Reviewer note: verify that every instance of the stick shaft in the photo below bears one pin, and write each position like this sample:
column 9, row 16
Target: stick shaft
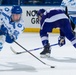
column 31, row 54
column 21, row 52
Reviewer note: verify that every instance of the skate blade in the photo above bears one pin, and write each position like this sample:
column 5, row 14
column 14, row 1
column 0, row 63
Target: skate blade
column 45, row 56
column 48, row 55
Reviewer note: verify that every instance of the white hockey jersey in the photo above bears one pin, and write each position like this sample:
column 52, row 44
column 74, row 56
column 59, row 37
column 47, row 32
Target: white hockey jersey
column 14, row 28
column 71, row 5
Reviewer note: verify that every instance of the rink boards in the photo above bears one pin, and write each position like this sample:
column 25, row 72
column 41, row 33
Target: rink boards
column 30, row 19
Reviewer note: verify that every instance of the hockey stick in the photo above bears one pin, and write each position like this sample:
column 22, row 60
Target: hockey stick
column 30, row 53
column 71, row 22
column 14, row 51
column 34, row 55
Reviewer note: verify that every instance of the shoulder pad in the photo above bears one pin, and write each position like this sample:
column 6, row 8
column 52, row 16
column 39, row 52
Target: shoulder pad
column 7, row 10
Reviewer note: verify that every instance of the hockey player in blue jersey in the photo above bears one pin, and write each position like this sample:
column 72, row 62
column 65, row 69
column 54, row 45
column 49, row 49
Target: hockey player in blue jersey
column 11, row 24
column 50, row 19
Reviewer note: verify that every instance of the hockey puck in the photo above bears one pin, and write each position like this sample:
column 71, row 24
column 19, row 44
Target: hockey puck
column 52, row 66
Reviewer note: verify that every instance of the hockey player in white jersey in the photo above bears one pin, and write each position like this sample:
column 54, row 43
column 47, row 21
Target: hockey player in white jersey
column 71, row 5
column 11, row 24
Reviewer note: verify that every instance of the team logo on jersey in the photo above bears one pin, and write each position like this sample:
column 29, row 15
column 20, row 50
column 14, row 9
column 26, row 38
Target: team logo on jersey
column 7, row 9
column 19, row 25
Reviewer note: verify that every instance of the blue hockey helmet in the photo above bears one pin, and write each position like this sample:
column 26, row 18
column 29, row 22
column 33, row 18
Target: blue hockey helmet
column 16, row 9
column 41, row 11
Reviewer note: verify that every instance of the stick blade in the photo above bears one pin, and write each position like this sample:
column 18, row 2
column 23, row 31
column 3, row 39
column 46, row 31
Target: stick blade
column 13, row 50
column 16, row 52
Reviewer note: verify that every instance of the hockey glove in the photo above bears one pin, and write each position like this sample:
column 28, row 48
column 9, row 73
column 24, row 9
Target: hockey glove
column 4, row 31
column 9, row 38
column 61, row 41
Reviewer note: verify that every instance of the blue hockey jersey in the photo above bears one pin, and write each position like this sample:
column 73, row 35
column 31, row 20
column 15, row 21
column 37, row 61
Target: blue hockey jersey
column 50, row 16
column 54, row 18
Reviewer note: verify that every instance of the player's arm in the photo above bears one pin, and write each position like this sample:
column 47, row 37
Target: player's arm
column 3, row 16
column 3, row 29
column 10, row 38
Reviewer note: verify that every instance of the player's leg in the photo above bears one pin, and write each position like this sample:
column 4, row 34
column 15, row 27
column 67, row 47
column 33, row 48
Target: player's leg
column 66, row 28
column 44, row 38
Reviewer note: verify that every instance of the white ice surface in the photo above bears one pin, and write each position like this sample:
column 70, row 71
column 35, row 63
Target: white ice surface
column 63, row 58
